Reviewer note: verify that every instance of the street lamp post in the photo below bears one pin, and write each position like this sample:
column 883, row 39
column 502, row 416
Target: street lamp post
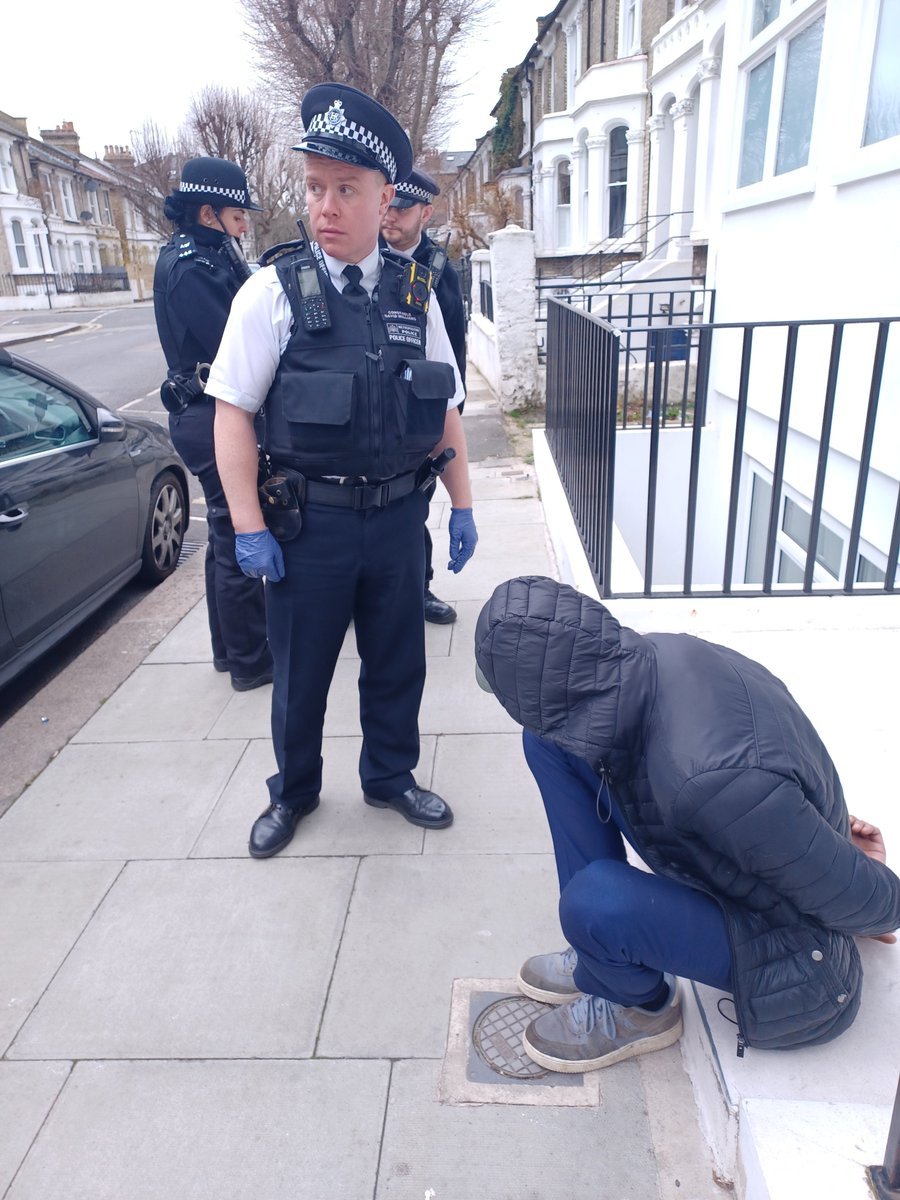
column 36, row 223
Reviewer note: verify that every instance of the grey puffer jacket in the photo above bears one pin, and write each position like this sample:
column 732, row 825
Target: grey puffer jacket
column 724, row 784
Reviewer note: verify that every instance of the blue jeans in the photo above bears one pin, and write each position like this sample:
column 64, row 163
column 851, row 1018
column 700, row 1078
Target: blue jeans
column 627, row 925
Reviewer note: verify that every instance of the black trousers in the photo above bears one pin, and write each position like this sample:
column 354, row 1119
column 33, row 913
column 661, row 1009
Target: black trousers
column 367, row 567
column 236, row 605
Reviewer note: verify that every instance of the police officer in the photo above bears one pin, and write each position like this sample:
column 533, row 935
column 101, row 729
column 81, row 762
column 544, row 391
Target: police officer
column 198, row 274
column 352, row 360
column 403, row 228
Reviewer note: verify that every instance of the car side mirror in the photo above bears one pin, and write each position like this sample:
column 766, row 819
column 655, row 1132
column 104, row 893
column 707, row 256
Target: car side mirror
column 111, row 427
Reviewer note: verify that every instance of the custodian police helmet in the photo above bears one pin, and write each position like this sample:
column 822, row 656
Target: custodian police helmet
column 215, row 181
column 344, row 123
column 416, row 188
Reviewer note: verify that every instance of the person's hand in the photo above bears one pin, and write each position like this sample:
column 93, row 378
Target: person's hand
column 867, row 838
column 463, row 538
column 259, row 554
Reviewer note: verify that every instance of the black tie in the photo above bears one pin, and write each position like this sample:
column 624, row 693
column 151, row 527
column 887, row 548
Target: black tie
column 353, row 287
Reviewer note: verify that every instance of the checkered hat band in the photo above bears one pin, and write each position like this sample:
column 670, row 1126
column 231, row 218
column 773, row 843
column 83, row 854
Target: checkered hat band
column 354, row 133
column 210, row 189
column 414, row 193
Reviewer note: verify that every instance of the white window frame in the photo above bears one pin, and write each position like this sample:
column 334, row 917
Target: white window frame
column 68, row 197
column 775, row 40
column 878, row 158
column 107, row 208
column 787, row 549
column 47, row 192
column 563, row 212
column 7, row 174
column 20, row 246
column 629, row 28
column 78, row 256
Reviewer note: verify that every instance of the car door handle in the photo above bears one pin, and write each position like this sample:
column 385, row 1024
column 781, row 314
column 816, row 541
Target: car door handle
column 13, row 516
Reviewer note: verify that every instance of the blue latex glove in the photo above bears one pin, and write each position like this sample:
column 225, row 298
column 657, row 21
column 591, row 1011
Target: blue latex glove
column 259, row 554
column 463, row 538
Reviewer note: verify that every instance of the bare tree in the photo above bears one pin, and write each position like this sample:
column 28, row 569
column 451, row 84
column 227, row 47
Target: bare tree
column 157, row 161
column 247, row 130
column 394, row 50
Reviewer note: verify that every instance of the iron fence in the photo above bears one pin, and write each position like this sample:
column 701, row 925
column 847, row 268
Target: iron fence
column 487, row 299
column 741, row 504
column 57, row 283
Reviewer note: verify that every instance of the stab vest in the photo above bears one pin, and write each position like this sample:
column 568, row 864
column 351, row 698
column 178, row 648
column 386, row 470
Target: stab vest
column 359, row 398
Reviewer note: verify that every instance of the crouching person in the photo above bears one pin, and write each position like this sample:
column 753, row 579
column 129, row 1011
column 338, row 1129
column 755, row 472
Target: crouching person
column 699, row 758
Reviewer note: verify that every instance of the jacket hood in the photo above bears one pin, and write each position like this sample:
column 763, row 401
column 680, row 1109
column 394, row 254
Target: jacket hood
column 557, row 661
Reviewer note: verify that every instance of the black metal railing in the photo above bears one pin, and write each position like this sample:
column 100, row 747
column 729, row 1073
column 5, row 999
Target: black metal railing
column 742, row 505
column 688, row 304
column 620, row 249
column 61, row 282
column 487, row 299
column 582, row 375
column 885, row 1177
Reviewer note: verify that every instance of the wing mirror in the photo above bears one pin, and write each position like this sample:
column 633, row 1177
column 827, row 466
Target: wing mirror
column 111, row 427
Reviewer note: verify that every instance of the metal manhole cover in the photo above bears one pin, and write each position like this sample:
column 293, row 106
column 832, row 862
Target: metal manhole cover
column 497, row 1037
column 188, row 549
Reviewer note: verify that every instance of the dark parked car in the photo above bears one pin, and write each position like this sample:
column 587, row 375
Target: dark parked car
column 88, row 499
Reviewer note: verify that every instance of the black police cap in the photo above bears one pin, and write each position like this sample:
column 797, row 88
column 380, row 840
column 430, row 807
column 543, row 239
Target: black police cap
column 344, row 123
column 215, row 181
column 416, row 188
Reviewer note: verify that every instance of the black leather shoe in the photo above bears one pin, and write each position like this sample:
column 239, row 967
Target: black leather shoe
column 438, row 612
column 419, row 806
column 245, row 683
column 220, row 664
column 273, row 829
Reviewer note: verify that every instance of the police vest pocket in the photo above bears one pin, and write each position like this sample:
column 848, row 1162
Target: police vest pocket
column 425, row 387
column 319, row 398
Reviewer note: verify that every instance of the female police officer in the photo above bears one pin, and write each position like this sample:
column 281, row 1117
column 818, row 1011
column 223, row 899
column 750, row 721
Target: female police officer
column 359, row 383
column 197, row 276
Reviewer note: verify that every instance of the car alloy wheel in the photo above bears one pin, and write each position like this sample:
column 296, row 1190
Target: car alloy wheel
column 165, row 529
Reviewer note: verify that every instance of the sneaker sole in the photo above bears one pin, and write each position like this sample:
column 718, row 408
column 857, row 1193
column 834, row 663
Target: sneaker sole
column 566, row 1067
column 545, row 997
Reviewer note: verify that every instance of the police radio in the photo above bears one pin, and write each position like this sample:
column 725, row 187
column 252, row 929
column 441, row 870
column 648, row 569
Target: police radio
column 313, row 305
column 438, row 262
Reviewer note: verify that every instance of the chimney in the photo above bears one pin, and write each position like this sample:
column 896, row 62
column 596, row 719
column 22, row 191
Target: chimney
column 63, row 136
column 118, row 156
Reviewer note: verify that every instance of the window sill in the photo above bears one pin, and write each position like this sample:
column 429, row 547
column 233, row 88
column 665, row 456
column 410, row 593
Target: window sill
column 769, row 191
column 869, row 161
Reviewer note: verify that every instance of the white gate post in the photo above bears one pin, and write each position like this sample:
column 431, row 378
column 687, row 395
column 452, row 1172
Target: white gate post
column 512, row 282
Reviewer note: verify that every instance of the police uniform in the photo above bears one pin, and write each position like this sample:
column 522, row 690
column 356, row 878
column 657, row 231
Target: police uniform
column 193, row 288
column 419, row 188
column 354, row 409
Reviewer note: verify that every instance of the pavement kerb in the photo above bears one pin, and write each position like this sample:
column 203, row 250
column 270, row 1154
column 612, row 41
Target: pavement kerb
column 36, row 334
column 34, row 735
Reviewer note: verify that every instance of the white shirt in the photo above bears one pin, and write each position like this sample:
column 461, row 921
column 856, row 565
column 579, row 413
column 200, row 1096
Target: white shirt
column 260, row 320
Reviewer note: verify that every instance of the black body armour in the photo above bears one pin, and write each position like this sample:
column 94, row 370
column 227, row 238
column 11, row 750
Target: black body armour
column 358, row 398
column 187, row 343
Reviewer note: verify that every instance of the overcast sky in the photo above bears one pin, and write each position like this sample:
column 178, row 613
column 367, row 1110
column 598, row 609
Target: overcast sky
column 110, row 66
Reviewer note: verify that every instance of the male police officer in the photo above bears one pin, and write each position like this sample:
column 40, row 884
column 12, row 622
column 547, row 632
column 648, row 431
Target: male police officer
column 403, row 228
column 198, row 274
column 359, row 385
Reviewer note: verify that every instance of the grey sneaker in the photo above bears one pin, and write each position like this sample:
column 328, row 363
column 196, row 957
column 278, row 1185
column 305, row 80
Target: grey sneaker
column 548, row 977
column 591, row 1032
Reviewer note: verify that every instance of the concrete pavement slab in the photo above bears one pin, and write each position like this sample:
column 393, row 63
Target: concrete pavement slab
column 188, row 641
column 453, row 701
column 210, row 1131
column 170, row 702
column 198, row 960
column 27, row 1093
column 493, row 794
column 45, row 908
column 342, row 824
column 465, row 1151
column 417, row 923
column 503, row 552
column 131, row 802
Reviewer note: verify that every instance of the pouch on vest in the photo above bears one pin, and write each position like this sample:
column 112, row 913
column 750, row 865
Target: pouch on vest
column 424, row 388
column 318, row 407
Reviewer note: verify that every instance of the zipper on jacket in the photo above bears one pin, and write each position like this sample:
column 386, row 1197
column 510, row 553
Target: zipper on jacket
column 376, row 436
column 741, row 1044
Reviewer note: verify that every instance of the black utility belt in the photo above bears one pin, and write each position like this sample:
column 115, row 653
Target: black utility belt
column 356, row 492
column 285, row 492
